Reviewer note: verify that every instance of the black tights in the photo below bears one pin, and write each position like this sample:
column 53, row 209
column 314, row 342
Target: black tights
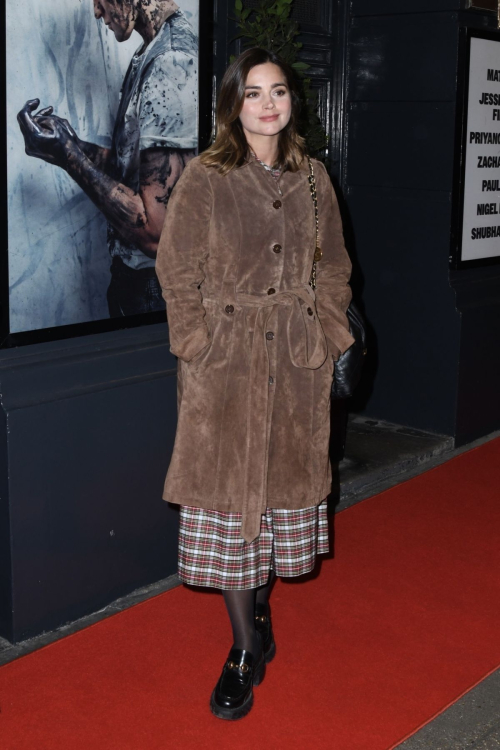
column 240, row 604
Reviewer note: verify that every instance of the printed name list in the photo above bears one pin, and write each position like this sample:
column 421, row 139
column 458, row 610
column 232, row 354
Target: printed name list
column 481, row 211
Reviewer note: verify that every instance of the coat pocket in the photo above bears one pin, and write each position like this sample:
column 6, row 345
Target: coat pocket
column 196, row 362
column 215, row 355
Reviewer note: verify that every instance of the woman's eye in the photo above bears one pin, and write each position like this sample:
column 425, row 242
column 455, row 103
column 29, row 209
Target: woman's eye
column 252, row 95
column 280, row 92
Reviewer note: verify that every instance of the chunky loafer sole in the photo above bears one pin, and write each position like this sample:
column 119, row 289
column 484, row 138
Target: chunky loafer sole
column 231, row 714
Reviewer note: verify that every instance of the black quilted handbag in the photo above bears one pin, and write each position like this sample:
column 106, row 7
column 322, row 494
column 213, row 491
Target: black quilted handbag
column 350, row 364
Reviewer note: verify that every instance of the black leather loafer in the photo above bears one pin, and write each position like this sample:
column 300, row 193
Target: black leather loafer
column 265, row 629
column 232, row 697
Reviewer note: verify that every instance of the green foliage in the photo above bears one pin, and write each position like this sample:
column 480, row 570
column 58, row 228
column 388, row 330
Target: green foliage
column 269, row 26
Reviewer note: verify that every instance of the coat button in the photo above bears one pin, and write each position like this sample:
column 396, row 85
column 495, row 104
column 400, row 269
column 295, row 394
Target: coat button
column 271, row 290
column 309, row 311
column 277, row 204
column 229, row 309
column 276, row 248
column 271, row 380
column 269, row 335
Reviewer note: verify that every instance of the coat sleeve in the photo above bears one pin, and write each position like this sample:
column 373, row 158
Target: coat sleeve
column 182, row 252
column 333, row 271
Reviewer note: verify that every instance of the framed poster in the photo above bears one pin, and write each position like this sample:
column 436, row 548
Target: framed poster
column 479, row 189
column 102, row 115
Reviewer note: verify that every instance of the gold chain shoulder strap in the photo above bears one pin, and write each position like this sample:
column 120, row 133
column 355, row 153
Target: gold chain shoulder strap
column 318, row 253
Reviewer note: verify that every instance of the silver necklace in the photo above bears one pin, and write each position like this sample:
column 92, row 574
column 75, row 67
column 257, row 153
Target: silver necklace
column 275, row 172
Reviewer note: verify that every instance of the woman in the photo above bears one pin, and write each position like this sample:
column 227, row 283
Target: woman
column 256, row 347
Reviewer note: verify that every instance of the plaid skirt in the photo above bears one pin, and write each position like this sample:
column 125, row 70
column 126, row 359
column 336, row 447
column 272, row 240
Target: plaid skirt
column 213, row 553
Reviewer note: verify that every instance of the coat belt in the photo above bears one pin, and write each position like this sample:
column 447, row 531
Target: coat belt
column 308, row 348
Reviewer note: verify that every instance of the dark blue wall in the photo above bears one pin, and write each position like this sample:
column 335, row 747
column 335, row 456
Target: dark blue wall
column 88, row 431
column 399, row 181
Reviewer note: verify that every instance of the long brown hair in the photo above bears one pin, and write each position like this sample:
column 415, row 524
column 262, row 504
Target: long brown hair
column 230, row 148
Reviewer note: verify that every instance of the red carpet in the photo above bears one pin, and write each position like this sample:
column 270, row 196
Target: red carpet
column 397, row 626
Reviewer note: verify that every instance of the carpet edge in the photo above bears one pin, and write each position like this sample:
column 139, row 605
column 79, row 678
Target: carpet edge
column 37, row 650
column 410, row 479
column 442, row 710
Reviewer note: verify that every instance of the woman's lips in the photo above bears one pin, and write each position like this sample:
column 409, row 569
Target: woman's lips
column 269, row 118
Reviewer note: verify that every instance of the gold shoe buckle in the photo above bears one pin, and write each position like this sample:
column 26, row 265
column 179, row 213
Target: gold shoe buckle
column 233, row 665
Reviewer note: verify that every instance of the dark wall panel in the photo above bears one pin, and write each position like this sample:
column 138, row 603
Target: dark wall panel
column 385, row 7
column 403, row 58
column 399, row 151
column 411, row 373
column 478, row 299
column 401, row 144
column 478, row 411
column 89, row 521
column 91, row 430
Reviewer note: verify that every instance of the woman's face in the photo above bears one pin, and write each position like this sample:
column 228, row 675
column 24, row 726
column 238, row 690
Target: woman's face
column 267, row 106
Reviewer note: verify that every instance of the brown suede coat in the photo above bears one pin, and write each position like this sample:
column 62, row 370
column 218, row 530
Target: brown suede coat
column 256, row 345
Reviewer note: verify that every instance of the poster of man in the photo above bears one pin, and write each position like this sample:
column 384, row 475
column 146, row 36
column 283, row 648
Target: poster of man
column 102, row 108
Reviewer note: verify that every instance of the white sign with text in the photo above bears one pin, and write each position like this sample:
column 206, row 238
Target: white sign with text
column 481, row 215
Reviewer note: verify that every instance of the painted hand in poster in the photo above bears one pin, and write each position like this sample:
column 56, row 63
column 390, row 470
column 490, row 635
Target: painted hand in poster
column 46, row 137
column 134, row 214
column 155, row 134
